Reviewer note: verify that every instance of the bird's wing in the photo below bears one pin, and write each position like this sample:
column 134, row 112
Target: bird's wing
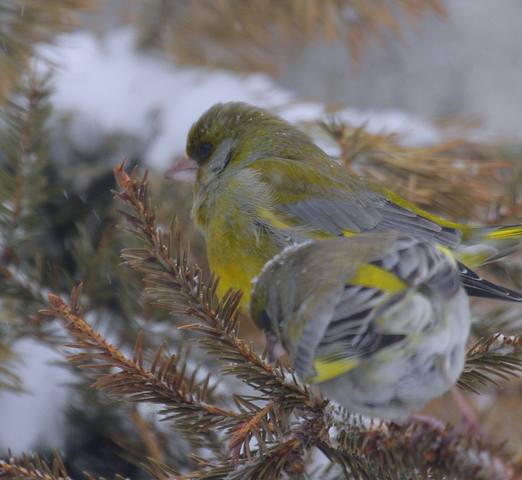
column 353, row 331
column 387, row 300
column 327, row 200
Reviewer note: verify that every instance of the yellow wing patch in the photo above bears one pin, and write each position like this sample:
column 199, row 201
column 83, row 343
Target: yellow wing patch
column 402, row 202
column 371, row 276
column 326, row 370
column 271, row 218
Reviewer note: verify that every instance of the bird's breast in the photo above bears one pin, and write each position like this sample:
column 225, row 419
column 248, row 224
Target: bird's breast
column 237, row 251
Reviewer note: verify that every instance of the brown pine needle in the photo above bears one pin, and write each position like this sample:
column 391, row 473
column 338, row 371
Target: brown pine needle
column 165, row 382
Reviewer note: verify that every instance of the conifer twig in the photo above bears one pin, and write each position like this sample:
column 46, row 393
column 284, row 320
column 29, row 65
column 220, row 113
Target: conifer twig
column 32, row 467
column 148, row 436
column 248, row 35
column 25, row 24
column 165, row 381
column 490, row 359
column 417, row 450
column 172, row 281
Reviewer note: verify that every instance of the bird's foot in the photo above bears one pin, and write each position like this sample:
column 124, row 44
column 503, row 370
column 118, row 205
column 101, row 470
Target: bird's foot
column 469, row 423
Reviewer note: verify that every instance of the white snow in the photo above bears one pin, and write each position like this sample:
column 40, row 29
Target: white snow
column 107, row 86
column 36, row 415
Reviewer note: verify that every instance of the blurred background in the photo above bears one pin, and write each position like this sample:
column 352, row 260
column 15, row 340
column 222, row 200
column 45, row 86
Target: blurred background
column 424, row 94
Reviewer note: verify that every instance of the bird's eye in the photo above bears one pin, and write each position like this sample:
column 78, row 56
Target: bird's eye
column 204, row 150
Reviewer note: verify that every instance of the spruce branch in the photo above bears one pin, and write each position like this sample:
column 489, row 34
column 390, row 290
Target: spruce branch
column 490, row 359
column 249, row 35
column 148, row 436
column 242, row 435
column 23, row 185
column 9, row 380
column 282, row 457
column 166, row 380
column 24, row 24
column 174, row 282
column 270, row 461
column 33, row 467
column 22, row 192
column 383, row 451
column 415, row 450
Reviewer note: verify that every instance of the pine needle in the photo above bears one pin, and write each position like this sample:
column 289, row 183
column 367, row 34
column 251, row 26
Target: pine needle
column 248, row 35
column 33, row 467
column 167, row 380
column 490, row 360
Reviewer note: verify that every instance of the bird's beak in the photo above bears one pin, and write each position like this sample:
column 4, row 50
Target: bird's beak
column 184, row 170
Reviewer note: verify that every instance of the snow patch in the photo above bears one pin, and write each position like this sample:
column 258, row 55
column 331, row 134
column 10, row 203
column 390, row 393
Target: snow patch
column 36, row 416
column 105, row 86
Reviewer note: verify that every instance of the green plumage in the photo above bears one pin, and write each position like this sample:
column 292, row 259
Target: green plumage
column 262, row 184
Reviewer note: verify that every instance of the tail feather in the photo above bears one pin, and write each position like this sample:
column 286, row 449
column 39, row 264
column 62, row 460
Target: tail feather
column 502, row 232
column 479, row 287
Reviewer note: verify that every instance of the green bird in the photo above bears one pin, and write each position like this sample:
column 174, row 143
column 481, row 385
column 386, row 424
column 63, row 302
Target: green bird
column 262, row 184
column 379, row 321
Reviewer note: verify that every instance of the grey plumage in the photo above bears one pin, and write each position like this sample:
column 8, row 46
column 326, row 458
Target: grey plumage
column 356, row 206
column 399, row 347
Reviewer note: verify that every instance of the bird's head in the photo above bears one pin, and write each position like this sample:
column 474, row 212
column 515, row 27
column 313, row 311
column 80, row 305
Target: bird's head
column 231, row 135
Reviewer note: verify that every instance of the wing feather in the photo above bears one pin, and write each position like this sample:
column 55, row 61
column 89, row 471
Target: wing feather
column 326, row 198
column 362, row 324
